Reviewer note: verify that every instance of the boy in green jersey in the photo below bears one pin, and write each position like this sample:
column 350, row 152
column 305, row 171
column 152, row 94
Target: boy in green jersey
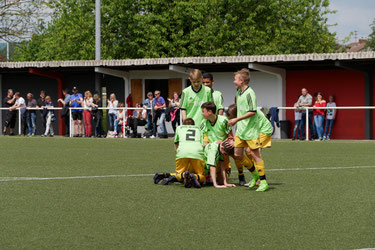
column 190, row 157
column 193, row 96
column 217, row 96
column 247, row 134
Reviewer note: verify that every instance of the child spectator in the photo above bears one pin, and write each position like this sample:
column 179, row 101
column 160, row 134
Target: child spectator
column 120, row 118
column 112, row 105
column 31, row 115
column 138, row 119
column 87, row 105
column 331, row 115
column 319, row 115
column 50, row 117
column 297, row 123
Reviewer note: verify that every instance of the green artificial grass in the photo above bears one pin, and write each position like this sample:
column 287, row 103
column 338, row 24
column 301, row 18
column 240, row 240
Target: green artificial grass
column 304, row 209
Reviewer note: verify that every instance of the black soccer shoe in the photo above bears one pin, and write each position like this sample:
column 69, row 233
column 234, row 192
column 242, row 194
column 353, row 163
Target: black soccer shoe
column 242, row 180
column 187, row 180
column 158, row 177
column 168, row 180
column 194, row 181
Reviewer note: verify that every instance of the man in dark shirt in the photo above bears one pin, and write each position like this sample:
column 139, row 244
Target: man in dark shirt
column 10, row 121
column 41, row 103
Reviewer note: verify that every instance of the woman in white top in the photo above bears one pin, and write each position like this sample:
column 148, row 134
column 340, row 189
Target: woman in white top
column 112, row 105
column 87, row 104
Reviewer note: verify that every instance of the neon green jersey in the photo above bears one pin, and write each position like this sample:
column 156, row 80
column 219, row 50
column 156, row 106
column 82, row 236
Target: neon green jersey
column 191, row 101
column 218, row 131
column 190, row 142
column 247, row 129
column 212, row 154
column 218, row 100
column 265, row 126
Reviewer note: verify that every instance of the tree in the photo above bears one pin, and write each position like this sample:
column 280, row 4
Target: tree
column 371, row 41
column 164, row 28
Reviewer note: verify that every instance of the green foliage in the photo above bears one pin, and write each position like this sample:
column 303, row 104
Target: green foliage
column 164, row 28
column 371, row 42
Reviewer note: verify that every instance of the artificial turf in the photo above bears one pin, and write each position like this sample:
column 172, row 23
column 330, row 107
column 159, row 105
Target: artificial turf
column 317, row 199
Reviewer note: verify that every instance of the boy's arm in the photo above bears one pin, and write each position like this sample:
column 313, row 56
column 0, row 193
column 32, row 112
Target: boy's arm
column 213, row 177
column 224, row 174
column 175, row 147
column 183, row 113
column 233, row 121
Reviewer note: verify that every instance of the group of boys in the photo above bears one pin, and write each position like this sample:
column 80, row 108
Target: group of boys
column 205, row 142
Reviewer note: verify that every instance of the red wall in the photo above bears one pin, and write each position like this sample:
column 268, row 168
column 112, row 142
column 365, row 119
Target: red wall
column 348, row 88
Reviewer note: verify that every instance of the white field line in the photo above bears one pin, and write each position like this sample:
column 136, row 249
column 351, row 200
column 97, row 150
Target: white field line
column 3, row 179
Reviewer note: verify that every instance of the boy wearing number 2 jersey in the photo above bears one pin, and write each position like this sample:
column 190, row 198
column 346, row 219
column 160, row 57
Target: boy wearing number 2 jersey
column 190, row 162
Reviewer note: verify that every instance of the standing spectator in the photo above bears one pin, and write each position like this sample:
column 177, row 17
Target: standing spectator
column 87, row 105
column 50, row 117
column 21, row 104
column 305, row 100
column 158, row 105
column 174, row 106
column 129, row 103
column 138, row 119
column 41, row 103
column 10, row 121
column 297, row 123
column 65, row 111
column 331, row 115
column 120, row 118
column 112, row 105
column 76, row 100
column 31, row 114
column 319, row 115
column 147, row 104
column 97, row 115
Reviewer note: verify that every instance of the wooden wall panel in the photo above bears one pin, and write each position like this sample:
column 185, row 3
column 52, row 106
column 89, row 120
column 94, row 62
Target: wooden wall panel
column 174, row 85
column 136, row 91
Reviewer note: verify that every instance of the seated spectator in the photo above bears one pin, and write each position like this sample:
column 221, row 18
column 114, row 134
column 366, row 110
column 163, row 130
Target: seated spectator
column 174, row 108
column 21, row 104
column 331, row 116
column 31, row 114
column 120, row 118
column 138, row 119
column 147, row 104
column 297, row 123
column 97, row 115
column 319, row 115
column 159, row 112
column 50, row 117
column 112, row 105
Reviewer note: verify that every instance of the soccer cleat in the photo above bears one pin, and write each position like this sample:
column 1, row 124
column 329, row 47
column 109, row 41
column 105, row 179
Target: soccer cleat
column 158, row 177
column 253, row 181
column 242, row 180
column 194, row 181
column 263, row 186
column 187, row 180
column 168, row 180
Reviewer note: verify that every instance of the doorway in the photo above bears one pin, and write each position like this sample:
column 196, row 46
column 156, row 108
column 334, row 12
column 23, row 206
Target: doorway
column 157, row 84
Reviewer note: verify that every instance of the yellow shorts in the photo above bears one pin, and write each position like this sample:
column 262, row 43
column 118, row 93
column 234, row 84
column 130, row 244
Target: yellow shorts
column 265, row 140
column 194, row 166
column 252, row 144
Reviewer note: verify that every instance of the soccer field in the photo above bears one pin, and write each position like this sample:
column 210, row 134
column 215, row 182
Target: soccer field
column 78, row 193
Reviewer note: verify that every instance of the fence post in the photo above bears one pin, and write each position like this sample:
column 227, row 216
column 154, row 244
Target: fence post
column 70, row 122
column 19, row 121
column 307, row 123
column 123, row 123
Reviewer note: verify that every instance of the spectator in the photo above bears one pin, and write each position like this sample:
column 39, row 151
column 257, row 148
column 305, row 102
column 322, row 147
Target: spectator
column 138, row 119
column 120, row 118
column 76, row 101
column 129, row 103
column 305, row 100
column 50, row 117
column 158, row 105
column 319, row 115
column 21, row 104
column 331, row 116
column 97, row 115
column 10, row 121
column 297, row 123
column 65, row 111
column 174, row 106
column 31, row 114
column 112, row 105
column 87, row 105
column 41, row 103
column 147, row 104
